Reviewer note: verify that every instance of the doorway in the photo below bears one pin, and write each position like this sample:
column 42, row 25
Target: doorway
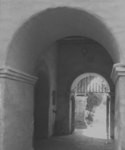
column 91, row 93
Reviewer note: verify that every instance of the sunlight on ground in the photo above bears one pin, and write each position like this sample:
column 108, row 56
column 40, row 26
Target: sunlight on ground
column 98, row 127
column 96, row 131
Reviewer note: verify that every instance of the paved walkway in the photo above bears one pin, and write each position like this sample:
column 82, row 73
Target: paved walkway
column 76, row 141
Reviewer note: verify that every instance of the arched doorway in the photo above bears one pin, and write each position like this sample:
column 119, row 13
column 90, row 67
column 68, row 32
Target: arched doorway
column 32, row 42
column 78, row 55
column 91, row 92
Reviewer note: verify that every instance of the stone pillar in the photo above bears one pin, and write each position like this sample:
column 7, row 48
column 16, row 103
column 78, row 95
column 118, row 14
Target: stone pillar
column 16, row 109
column 118, row 76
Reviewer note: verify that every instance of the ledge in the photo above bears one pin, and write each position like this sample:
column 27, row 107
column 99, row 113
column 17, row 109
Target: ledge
column 14, row 74
column 117, row 71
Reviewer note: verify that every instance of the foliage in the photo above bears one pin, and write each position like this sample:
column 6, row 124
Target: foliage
column 93, row 100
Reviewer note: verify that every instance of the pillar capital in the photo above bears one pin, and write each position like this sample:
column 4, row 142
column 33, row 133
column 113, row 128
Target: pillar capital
column 117, row 71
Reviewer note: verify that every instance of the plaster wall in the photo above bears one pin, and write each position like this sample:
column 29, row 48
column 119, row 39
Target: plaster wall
column 119, row 114
column 27, row 110
column 15, row 13
column 2, row 88
column 17, row 116
column 44, row 108
column 51, row 60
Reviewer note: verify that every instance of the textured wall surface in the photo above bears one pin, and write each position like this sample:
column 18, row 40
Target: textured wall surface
column 21, row 48
column 18, row 116
column 13, row 13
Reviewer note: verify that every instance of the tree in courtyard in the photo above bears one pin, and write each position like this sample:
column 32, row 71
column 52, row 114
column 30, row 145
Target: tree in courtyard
column 93, row 100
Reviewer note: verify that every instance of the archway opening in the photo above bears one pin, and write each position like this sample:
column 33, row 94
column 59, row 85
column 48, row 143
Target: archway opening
column 78, row 55
column 31, row 44
column 92, row 105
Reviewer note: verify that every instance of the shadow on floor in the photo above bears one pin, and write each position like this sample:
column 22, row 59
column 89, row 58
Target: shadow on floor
column 76, row 141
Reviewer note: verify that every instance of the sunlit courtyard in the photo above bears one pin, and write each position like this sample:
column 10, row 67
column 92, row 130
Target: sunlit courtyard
column 98, row 128
column 92, row 107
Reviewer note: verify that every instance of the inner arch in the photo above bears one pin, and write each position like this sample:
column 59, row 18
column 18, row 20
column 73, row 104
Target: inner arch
column 91, row 92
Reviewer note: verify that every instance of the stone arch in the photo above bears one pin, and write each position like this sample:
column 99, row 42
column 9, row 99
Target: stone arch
column 32, row 43
column 97, row 70
column 82, row 76
column 46, row 27
column 109, row 106
column 72, row 55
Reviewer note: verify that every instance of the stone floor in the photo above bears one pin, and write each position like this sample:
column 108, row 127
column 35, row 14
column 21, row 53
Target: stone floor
column 76, row 141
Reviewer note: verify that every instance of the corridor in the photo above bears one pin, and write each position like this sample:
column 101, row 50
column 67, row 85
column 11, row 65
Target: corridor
column 76, row 141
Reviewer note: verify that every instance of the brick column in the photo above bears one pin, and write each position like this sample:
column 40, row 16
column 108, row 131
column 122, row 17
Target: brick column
column 16, row 109
column 118, row 76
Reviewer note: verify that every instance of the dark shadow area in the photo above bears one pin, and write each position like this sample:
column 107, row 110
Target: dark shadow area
column 41, row 107
column 75, row 141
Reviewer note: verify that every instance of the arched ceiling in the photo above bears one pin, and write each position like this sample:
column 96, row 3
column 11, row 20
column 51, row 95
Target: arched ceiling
column 35, row 36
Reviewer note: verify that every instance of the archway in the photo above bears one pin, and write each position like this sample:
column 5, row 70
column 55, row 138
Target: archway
column 40, row 31
column 92, row 105
column 38, row 39
column 77, row 56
